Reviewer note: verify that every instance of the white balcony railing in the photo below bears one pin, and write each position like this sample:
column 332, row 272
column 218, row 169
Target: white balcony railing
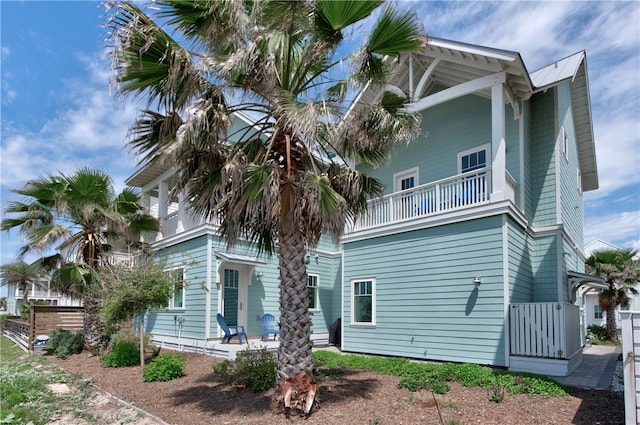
column 462, row 190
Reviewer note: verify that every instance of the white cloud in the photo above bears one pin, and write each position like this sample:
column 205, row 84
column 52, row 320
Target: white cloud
column 4, row 52
column 91, row 132
column 621, row 228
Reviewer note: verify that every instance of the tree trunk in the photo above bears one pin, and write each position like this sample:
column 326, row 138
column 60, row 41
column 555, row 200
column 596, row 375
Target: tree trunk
column 141, row 313
column 91, row 323
column 610, row 311
column 294, row 374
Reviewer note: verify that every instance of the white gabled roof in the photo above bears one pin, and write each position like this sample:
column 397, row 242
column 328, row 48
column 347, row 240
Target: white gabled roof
column 561, row 70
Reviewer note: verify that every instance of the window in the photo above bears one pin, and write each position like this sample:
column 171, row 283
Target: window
column 231, row 278
column 597, row 312
column 364, row 308
column 176, row 299
column 314, row 301
column 579, row 180
column 564, row 143
column 405, row 179
column 473, row 159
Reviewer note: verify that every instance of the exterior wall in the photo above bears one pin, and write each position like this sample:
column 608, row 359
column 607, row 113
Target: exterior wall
column 435, row 150
column 571, row 203
column 544, row 262
column 426, row 303
column 526, row 152
column 262, row 294
column 542, row 202
column 520, row 272
column 512, row 139
column 190, row 255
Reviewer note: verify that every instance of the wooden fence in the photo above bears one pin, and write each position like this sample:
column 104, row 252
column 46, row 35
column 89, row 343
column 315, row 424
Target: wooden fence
column 631, row 364
column 548, row 330
column 43, row 320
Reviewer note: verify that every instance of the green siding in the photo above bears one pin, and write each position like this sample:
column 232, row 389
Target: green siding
column 527, row 142
column 545, row 269
column 520, row 273
column 512, row 139
column 543, row 173
column 427, row 304
column 435, row 150
column 572, row 211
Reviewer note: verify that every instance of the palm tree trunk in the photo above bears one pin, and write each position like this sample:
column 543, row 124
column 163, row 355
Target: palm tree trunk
column 610, row 311
column 91, row 323
column 295, row 361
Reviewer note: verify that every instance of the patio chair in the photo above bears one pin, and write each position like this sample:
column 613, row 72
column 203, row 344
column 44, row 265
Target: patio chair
column 228, row 334
column 268, row 323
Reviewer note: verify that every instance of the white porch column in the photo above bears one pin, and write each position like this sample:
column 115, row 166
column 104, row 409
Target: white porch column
column 163, row 204
column 498, row 144
column 181, row 212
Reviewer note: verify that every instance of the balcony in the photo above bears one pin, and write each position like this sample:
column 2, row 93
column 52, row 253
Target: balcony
column 449, row 194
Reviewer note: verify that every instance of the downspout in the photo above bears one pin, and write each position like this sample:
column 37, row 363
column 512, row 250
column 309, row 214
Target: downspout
column 207, row 295
column 505, row 289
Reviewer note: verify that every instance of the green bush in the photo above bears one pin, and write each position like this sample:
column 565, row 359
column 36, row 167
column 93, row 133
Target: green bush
column 599, row 332
column 63, row 343
column 165, row 367
column 123, row 354
column 255, row 369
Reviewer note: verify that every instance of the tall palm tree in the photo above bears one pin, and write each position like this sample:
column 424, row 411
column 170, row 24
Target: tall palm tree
column 621, row 271
column 289, row 65
column 21, row 274
column 79, row 215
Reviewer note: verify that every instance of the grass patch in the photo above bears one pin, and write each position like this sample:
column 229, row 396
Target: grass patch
column 24, row 396
column 436, row 376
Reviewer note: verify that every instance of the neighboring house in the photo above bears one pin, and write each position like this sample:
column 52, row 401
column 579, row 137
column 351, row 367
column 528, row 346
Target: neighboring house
column 474, row 253
column 593, row 314
column 40, row 292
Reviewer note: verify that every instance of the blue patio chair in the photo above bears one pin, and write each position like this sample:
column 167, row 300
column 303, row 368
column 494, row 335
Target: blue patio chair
column 239, row 330
column 268, row 323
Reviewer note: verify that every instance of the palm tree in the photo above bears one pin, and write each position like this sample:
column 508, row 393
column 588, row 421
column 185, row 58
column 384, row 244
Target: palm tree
column 78, row 215
column 21, row 274
column 621, row 271
column 290, row 177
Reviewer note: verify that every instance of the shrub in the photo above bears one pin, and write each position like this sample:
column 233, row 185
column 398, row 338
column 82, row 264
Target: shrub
column 123, row 354
column 165, row 367
column 599, row 332
column 256, row 369
column 63, row 343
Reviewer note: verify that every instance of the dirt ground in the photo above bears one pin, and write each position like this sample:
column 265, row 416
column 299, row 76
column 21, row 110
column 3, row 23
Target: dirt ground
column 355, row 397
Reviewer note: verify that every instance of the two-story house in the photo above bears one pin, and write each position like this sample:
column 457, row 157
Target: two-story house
column 474, row 253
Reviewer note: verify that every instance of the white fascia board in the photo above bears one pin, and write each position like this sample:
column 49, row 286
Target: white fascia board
column 455, row 92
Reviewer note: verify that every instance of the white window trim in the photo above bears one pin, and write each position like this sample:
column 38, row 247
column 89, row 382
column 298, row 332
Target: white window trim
column 373, row 303
column 184, row 290
column 486, row 147
column 317, row 290
column 579, row 180
column 401, row 175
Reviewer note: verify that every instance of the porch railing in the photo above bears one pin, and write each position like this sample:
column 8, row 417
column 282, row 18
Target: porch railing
column 549, row 330
column 462, row 190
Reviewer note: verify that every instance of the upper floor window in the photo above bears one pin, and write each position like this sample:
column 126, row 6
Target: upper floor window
column 564, row 142
column 473, row 159
column 314, row 301
column 405, row 179
column 364, row 302
column 176, row 299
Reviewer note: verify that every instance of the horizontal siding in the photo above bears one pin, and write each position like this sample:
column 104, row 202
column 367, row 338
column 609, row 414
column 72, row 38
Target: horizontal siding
column 520, row 273
column 426, row 301
column 545, row 269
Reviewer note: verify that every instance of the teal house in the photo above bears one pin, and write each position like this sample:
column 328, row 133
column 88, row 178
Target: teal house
column 473, row 254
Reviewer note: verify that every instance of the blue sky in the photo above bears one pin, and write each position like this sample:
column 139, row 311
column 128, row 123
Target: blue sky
column 58, row 112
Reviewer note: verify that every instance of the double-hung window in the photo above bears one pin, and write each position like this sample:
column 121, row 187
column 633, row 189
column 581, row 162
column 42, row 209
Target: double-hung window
column 312, row 285
column 176, row 298
column 364, row 302
column 473, row 159
column 597, row 312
